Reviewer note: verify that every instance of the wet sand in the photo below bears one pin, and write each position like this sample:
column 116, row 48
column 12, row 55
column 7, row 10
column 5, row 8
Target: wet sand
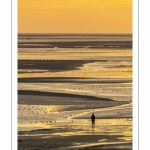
column 64, row 79
column 72, row 133
column 62, row 143
column 65, row 127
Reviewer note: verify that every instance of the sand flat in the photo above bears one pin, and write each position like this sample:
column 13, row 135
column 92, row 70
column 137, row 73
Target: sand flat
column 64, row 79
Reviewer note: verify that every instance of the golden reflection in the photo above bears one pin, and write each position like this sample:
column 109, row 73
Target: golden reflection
column 126, row 138
column 72, row 54
column 102, row 140
column 34, row 125
column 92, row 74
column 56, row 108
column 76, row 143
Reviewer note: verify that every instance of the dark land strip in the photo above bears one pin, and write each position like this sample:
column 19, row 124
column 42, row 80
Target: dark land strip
column 71, row 80
column 77, row 44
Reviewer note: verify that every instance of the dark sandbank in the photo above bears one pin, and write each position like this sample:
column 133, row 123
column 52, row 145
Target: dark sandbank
column 72, row 101
column 72, row 80
column 26, row 92
column 54, row 65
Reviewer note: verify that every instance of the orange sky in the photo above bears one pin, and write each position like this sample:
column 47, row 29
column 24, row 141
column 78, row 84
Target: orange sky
column 75, row 16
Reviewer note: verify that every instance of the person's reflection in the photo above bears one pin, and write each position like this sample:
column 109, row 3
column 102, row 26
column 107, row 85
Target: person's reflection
column 93, row 131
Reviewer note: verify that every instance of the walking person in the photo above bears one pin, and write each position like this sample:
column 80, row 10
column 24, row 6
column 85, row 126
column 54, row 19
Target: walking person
column 93, row 120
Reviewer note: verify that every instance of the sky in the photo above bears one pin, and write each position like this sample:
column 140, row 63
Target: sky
column 74, row 16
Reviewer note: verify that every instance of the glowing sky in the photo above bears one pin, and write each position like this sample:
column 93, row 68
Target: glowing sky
column 75, row 16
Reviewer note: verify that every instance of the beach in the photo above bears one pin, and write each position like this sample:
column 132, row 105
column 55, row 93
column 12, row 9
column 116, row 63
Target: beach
column 63, row 79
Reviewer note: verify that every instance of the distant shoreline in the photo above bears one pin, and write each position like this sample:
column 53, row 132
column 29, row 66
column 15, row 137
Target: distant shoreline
column 76, row 44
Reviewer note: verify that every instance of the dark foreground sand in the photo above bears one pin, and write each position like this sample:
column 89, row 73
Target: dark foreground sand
column 63, row 143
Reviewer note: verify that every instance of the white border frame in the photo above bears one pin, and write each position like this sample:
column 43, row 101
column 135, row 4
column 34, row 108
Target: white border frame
column 135, row 52
column 14, row 74
column 7, row 58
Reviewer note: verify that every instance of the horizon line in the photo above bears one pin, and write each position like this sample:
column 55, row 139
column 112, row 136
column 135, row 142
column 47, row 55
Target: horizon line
column 80, row 33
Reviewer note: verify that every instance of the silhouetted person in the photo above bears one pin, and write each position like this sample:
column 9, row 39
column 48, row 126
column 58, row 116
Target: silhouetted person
column 93, row 120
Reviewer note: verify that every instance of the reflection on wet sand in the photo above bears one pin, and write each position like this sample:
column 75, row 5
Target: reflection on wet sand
column 93, row 130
